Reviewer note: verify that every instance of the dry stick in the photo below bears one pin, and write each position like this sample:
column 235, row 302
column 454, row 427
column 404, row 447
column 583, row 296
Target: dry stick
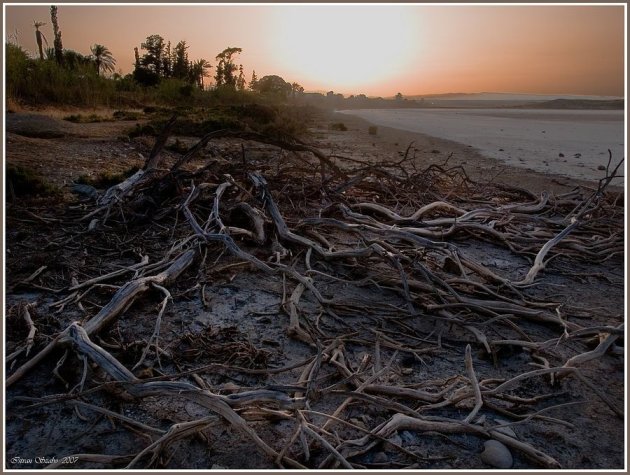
column 32, row 329
column 594, row 354
column 128, row 420
column 111, row 275
column 294, row 329
column 562, row 370
column 139, row 388
column 470, row 371
column 117, row 192
column 361, row 387
column 539, row 263
column 415, row 216
column 226, row 239
column 326, row 444
column 156, row 331
column 155, row 159
column 121, row 300
column 294, row 146
column 447, row 426
column 175, row 432
column 33, row 276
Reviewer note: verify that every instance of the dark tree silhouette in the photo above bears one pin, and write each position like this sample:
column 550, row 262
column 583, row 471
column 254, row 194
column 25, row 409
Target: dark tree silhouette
column 57, row 43
column 296, row 89
column 240, row 82
column 273, row 85
column 180, row 61
column 103, row 58
column 40, row 38
column 253, row 83
column 226, row 68
column 199, row 70
column 152, row 59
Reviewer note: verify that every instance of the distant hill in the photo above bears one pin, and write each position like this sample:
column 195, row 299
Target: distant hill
column 576, row 104
column 511, row 97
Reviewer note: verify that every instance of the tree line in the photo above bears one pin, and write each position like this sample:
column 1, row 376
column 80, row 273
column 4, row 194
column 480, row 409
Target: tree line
column 55, row 73
column 160, row 60
column 101, row 58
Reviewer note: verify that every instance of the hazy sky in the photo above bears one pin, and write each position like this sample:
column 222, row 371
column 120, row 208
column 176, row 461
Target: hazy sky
column 377, row 50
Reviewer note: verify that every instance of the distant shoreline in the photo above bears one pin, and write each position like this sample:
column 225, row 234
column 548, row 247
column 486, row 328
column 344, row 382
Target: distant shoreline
column 558, row 143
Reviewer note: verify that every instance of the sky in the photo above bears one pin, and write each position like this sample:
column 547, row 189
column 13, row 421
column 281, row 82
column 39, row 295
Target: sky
column 377, row 50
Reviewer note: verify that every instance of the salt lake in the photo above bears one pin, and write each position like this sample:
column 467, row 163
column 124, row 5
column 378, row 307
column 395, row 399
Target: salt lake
column 572, row 143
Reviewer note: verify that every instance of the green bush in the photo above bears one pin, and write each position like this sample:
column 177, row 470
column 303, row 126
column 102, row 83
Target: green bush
column 45, row 82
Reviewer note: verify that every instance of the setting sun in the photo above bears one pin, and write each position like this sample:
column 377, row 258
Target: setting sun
column 358, row 47
column 275, row 237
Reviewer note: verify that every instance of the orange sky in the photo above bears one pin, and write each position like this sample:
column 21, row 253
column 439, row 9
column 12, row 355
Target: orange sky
column 377, row 50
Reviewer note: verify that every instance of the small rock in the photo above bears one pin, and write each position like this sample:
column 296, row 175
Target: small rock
column 435, row 151
column 577, row 155
column 496, row 454
column 561, row 154
column 601, row 167
column 501, row 150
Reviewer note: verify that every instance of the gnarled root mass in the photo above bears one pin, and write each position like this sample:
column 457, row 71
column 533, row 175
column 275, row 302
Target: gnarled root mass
column 387, row 284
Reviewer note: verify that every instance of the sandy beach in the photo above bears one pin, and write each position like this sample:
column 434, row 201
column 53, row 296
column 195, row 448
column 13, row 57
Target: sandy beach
column 567, row 143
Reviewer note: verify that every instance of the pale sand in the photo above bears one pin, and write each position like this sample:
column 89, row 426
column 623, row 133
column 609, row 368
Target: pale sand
column 569, row 143
column 391, row 142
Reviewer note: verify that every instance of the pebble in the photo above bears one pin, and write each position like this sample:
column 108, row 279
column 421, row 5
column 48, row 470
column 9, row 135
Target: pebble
column 496, row 454
column 601, row 167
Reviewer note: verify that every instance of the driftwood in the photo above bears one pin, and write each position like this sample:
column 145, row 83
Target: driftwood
column 386, row 239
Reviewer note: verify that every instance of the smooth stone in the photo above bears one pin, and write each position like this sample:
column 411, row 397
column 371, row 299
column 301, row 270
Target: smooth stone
column 496, row 454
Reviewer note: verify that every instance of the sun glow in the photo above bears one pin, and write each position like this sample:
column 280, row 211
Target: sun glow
column 346, row 48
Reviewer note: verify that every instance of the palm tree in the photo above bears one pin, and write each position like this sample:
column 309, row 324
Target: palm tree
column 102, row 58
column 39, row 36
column 199, row 70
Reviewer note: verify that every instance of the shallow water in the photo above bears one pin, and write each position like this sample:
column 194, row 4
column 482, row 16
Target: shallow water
column 573, row 143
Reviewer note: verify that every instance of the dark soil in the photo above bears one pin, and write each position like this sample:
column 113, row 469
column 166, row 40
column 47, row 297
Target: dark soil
column 227, row 322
